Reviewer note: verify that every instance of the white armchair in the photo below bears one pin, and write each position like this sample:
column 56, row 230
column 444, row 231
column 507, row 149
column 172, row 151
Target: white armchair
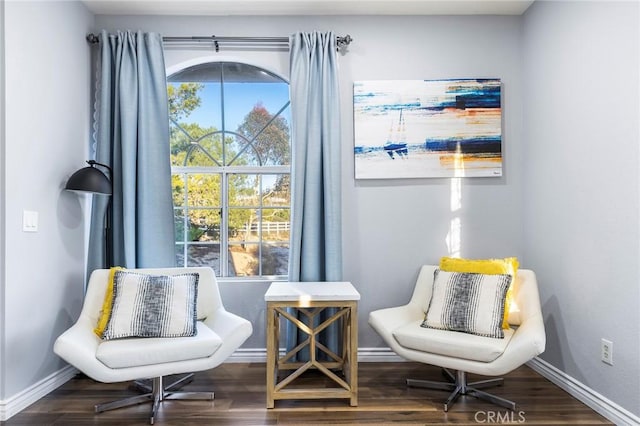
column 467, row 353
column 219, row 334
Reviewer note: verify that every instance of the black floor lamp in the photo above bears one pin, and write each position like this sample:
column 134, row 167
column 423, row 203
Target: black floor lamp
column 92, row 180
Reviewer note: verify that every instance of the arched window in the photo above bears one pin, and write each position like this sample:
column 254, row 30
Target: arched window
column 230, row 156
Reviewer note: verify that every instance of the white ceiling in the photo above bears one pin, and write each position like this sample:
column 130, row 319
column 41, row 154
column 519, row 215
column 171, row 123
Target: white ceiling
column 308, row 7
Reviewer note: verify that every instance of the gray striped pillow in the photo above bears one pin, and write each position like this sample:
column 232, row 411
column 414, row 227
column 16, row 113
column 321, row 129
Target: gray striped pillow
column 152, row 305
column 468, row 302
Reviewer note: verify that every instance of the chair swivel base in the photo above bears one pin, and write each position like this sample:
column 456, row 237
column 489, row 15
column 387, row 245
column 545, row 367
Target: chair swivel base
column 459, row 386
column 156, row 393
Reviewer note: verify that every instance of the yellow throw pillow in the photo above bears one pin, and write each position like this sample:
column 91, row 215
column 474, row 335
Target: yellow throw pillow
column 508, row 265
column 105, row 312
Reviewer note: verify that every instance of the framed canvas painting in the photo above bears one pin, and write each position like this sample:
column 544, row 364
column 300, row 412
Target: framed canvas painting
column 427, row 128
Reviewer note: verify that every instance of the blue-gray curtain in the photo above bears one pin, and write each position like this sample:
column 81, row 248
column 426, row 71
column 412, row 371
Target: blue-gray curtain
column 316, row 236
column 132, row 137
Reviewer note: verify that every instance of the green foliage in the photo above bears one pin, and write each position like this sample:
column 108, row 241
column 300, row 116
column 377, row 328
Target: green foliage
column 261, row 140
column 269, row 137
column 192, row 145
column 183, row 99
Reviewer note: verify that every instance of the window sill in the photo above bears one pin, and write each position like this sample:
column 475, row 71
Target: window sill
column 250, row 280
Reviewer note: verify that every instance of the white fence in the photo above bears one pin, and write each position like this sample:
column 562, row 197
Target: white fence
column 267, row 227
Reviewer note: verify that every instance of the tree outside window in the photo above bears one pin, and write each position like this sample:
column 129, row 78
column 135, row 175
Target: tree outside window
column 230, row 157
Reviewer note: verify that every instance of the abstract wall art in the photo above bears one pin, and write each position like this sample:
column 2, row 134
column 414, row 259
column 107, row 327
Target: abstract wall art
column 427, row 128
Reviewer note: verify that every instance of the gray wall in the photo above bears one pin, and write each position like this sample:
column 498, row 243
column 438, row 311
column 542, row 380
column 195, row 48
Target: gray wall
column 581, row 187
column 46, row 130
column 382, row 260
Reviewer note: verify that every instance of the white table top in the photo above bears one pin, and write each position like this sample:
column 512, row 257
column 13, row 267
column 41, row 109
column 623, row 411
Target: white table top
column 311, row 291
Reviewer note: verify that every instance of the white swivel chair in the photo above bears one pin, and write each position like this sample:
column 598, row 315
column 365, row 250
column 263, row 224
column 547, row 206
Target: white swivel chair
column 219, row 334
column 466, row 353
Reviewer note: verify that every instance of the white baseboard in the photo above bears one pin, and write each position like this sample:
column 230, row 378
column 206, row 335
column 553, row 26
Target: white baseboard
column 248, row 355
column 378, row 355
column 33, row 393
column 586, row 395
column 597, row 402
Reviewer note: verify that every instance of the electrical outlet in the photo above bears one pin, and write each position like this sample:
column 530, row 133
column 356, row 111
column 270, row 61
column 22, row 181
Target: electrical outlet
column 607, row 352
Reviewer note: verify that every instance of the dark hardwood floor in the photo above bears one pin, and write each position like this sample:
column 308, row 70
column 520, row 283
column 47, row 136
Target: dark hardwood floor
column 383, row 399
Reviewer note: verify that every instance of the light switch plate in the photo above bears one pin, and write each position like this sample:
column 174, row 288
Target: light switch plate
column 29, row 221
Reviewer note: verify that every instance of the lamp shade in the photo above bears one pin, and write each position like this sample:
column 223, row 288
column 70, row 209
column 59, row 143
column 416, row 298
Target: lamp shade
column 89, row 179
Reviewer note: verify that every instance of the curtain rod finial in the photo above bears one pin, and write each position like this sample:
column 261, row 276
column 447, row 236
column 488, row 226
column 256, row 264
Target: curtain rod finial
column 92, row 38
column 344, row 41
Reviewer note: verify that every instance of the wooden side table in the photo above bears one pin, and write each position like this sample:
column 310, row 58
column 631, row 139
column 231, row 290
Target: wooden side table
column 310, row 299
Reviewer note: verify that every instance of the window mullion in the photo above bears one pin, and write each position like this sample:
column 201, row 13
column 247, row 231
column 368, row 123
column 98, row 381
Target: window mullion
column 185, row 220
column 224, row 223
column 222, row 104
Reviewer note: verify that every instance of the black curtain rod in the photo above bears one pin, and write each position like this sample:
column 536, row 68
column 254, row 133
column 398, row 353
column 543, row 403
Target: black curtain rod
column 216, row 40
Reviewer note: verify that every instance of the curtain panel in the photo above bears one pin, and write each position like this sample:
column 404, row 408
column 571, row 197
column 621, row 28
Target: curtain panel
column 316, row 246
column 316, row 237
column 132, row 137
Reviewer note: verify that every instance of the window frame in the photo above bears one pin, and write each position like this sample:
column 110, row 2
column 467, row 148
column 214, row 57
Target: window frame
column 224, row 171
